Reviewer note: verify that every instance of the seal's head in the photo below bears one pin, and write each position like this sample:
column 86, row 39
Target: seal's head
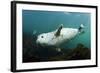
column 41, row 39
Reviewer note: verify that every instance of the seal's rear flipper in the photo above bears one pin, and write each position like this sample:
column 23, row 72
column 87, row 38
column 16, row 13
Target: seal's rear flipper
column 80, row 28
column 59, row 30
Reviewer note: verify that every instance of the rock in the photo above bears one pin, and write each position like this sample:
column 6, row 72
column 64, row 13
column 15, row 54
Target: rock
column 78, row 53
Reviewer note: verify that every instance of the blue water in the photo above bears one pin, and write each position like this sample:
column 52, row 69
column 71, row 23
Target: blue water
column 46, row 21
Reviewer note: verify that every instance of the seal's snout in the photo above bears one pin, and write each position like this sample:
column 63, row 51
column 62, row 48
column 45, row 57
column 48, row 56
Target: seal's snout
column 37, row 41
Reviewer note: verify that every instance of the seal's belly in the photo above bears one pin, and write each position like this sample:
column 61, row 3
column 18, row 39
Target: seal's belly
column 69, row 33
column 66, row 35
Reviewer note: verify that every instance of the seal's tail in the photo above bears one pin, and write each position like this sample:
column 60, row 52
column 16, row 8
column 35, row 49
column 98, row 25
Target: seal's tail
column 81, row 27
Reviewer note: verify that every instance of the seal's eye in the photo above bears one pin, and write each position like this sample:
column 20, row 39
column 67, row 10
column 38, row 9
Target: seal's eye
column 41, row 36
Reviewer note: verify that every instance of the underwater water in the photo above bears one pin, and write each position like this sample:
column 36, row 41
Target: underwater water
column 37, row 22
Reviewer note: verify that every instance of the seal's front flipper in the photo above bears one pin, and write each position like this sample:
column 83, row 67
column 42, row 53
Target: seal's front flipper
column 59, row 30
column 58, row 49
column 34, row 32
column 34, row 35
